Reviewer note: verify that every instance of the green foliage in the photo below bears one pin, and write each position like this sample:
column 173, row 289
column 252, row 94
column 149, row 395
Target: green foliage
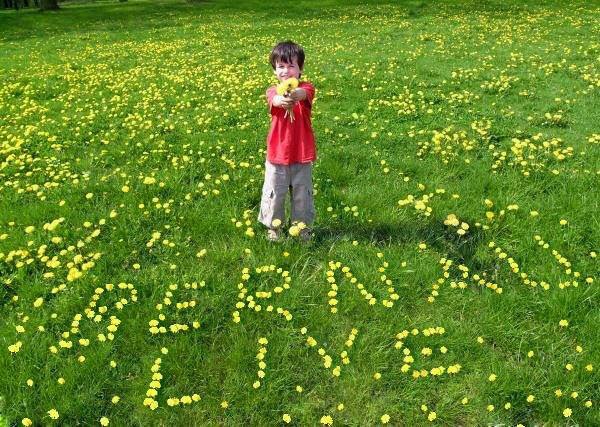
column 458, row 158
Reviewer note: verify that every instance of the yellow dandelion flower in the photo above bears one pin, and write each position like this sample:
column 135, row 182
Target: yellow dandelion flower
column 201, row 253
column 15, row 348
column 286, row 86
column 327, row 420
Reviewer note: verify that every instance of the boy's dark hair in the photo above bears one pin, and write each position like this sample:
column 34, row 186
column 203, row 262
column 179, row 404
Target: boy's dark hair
column 286, row 52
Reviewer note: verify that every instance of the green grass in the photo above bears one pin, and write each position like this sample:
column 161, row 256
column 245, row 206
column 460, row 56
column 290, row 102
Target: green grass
column 452, row 95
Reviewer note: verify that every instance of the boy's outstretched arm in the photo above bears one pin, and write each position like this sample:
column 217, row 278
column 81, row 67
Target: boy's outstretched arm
column 298, row 94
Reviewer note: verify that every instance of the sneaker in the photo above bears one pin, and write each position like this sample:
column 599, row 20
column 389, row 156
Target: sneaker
column 273, row 234
column 306, row 234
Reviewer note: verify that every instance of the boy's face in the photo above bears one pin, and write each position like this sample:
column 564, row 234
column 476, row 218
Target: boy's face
column 284, row 70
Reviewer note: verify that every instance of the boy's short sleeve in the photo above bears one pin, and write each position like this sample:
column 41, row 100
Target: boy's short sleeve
column 310, row 93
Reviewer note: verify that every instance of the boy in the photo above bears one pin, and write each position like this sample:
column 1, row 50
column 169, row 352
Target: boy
column 290, row 147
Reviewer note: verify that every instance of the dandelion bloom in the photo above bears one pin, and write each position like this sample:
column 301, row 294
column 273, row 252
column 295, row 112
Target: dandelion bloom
column 287, row 86
column 326, row 420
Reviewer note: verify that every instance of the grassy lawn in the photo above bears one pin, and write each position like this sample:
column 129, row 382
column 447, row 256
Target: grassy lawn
column 453, row 276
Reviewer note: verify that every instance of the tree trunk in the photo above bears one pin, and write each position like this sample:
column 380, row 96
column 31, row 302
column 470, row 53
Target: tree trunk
column 49, row 5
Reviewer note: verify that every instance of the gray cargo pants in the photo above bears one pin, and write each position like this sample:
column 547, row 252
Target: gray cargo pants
column 297, row 178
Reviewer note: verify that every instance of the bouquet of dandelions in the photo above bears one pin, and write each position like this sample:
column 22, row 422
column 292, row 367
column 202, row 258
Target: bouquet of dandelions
column 285, row 88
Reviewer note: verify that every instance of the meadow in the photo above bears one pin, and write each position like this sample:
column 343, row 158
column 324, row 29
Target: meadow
column 453, row 275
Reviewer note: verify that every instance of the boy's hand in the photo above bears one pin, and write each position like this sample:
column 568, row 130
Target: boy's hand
column 298, row 94
column 283, row 101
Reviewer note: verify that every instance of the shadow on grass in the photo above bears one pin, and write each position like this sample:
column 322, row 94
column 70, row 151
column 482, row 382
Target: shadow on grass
column 96, row 16
column 85, row 17
column 106, row 16
column 436, row 235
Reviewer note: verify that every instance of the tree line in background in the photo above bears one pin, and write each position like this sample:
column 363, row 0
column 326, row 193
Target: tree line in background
column 39, row 4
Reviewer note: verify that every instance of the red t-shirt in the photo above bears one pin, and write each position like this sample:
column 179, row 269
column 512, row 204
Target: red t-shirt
column 291, row 142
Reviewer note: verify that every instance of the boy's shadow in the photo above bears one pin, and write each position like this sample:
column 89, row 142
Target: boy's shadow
column 435, row 234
